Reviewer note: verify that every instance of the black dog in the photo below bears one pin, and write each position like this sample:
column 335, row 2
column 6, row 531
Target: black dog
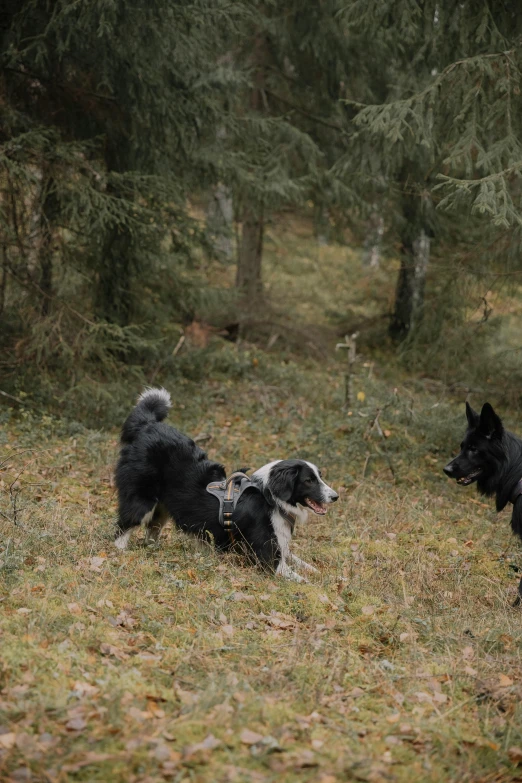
column 492, row 457
column 162, row 473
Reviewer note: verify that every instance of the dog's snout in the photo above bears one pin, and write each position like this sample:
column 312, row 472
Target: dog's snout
column 333, row 497
column 448, row 469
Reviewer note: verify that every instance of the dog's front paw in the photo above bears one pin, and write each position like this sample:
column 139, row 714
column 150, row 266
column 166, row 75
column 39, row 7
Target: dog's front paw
column 302, row 564
column 283, row 569
column 295, row 577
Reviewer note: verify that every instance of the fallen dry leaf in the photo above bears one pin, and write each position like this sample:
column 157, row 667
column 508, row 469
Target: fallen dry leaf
column 95, row 563
column 504, row 681
column 514, row 753
column 186, row 697
column 239, row 596
column 110, row 649
column 138, row 715
column 125, row 620
column 422, row 696
column 85, row 689
column 8, row 740
column 303, row 758
column 76, row 724
column 248, row 737
column 86, row 761
column 209, row 743
column 283, row 622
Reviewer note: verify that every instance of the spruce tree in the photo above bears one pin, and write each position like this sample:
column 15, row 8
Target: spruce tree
column 444, row 126
column 115, row 105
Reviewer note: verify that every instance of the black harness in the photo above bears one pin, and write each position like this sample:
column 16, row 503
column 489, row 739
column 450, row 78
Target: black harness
column 228, row 493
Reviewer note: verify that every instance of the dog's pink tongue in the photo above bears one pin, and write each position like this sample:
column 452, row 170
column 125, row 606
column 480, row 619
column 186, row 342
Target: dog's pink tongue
column 317, row 507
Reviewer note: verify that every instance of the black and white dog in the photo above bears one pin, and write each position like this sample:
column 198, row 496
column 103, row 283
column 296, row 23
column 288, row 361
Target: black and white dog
column 163, row 474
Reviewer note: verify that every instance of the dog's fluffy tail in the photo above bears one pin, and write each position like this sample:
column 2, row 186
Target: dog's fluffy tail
column 153, row 405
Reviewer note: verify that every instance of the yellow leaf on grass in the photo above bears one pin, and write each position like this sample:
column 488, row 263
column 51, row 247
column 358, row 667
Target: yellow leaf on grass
column 504, row 681
column 361, row 396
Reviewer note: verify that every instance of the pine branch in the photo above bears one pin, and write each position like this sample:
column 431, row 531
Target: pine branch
column 306, row 114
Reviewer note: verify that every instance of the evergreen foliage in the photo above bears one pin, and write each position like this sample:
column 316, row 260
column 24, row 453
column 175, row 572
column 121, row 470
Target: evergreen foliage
column 117, row 117
column 440, row 135
column 108, row 116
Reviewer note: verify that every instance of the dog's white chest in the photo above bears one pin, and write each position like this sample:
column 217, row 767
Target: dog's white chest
column 283, row 533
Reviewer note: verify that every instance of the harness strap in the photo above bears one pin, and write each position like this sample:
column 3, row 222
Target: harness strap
column 228, row 493
column 288, row 516
column 516, row 492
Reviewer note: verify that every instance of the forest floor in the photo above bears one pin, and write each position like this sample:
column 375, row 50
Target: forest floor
column 399, row 661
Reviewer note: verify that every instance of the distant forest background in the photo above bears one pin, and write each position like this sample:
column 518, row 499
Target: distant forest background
column 144, row 146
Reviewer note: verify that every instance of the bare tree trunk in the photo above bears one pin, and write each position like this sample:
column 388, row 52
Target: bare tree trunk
column 250, row 254
column 47, row 221
column 322, row 225
column 250, row 250
column 409, row 297
column 414, row 230
column 3, row 278
column 113, row 300
column 220, row 216
column 372, row 244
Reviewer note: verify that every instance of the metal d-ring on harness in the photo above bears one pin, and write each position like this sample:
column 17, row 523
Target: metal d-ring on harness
column 228, row 493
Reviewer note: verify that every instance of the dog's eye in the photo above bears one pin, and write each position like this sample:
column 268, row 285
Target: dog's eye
column 308, row 481
column 472, row 450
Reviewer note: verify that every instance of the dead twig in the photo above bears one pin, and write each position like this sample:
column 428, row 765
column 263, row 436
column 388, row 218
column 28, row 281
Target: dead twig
column 10, row 397
column 350, row 346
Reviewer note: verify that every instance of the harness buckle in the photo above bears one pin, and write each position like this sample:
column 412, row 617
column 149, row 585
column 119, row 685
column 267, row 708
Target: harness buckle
column 228, row 510
column 228, row 493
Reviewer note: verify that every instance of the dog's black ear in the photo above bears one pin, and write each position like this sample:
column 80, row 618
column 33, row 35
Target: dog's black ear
column 490, row 424
column 282, row 481
column 472, row 416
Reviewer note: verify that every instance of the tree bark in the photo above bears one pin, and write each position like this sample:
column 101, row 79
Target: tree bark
column 409, row 297
column 248, row 278
column 48, row 219
column 113, row 291
column 373, row 241
column 220, row 217
column 415, row 231
column 3, row 278
column 250, row 251
column 113, row 298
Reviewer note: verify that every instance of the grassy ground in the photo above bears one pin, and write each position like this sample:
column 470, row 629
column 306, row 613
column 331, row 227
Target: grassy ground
column 400, row 661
